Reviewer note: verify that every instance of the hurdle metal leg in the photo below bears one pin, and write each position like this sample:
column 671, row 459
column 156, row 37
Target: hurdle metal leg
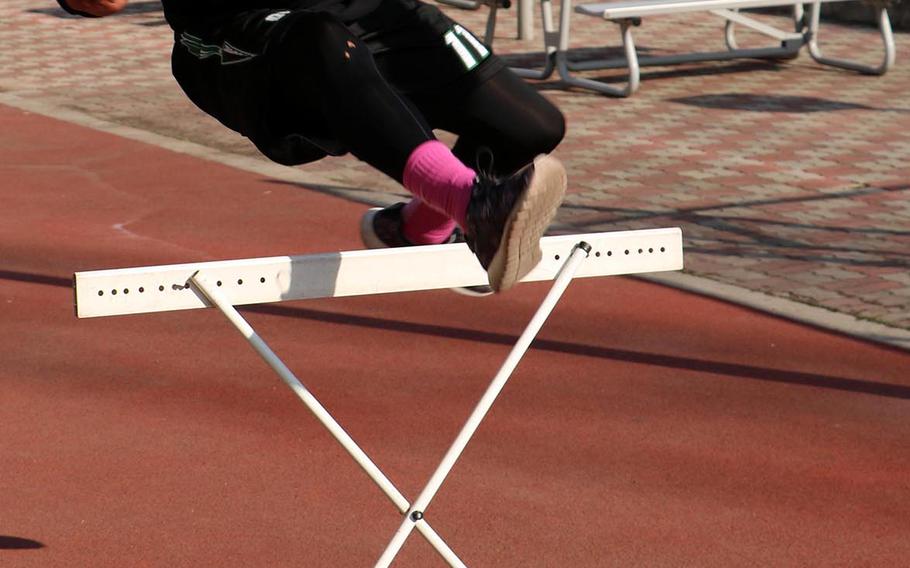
column 211, row 293
column 416, row 513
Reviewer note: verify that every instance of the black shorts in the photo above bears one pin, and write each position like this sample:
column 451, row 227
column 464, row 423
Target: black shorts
column 238, row 71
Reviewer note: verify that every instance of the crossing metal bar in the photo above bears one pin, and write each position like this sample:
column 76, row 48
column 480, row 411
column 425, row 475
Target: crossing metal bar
column 217, row 299
column 416, row 513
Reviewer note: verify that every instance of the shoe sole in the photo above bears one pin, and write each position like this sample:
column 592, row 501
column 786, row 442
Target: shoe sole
column 367, row 234
column 519, row 250
column 478, row 291
column 372, row 241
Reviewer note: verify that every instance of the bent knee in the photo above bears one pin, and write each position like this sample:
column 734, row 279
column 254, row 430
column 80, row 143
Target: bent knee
column 551, row 130
column 313, row 34
column 541, row 131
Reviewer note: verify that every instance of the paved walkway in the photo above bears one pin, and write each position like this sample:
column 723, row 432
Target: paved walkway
column 788, row 180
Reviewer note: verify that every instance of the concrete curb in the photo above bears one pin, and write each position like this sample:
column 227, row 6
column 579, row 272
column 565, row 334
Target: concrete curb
column 788, row 309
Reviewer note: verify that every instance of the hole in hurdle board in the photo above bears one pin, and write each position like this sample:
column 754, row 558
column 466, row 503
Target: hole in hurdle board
column 609, row 253
column 141, row 289
column 218, row 283
column 650, row 250
column 556, row 257
column 240, row 281
column 627, row 251
column 100, row 292
column 597, row 254
column 161, row 288
column 640, row 251
column 126, row 290
column 662, row 249
column 262, row 280
column 113, row 292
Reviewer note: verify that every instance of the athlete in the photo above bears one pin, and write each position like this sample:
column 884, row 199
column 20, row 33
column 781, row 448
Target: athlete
column 304, row 79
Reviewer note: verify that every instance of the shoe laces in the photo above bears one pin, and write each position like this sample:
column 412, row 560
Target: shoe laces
column 483, row 161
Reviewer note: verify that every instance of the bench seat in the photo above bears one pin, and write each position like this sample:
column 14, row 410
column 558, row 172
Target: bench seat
column 629, row 13
column 644, row 8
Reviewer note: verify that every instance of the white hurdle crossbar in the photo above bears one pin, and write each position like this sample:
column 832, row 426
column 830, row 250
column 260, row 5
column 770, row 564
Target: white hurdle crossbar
column 226, row 284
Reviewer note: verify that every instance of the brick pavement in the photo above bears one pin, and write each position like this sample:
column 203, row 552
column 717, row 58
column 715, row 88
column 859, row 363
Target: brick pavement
column 788, row 179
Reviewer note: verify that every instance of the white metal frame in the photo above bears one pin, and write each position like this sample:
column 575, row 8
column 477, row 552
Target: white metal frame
column 525, row 15
column 494, row 5
column 628, row 14
column 225, row 284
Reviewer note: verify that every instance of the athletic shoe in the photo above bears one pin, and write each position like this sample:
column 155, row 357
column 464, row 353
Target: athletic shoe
column 382, row 228
column 507, row 217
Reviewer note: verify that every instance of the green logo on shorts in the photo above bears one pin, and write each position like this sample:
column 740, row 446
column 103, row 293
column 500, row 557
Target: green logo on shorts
column 468, row 47
column 227, row 53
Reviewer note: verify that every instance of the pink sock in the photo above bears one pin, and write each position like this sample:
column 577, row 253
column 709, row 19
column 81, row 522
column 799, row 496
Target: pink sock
column 424, row 225
column 438, row 178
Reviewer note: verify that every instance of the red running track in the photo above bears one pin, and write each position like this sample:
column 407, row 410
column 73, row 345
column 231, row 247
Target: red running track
column 647, row 426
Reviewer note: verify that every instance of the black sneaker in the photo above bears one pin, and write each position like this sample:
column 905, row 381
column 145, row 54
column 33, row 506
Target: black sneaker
column 507, row 217
column 382, row 228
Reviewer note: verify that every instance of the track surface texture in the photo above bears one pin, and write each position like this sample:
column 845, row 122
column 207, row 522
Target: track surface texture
column 646, row 427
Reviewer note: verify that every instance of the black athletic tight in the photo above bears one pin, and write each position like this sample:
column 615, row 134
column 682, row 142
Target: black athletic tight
column 381, row 127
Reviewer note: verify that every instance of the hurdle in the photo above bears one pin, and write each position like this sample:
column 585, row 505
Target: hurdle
column 225, row 285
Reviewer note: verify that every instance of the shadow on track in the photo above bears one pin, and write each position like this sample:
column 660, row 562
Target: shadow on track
column 654, row 359
column 17, row 543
